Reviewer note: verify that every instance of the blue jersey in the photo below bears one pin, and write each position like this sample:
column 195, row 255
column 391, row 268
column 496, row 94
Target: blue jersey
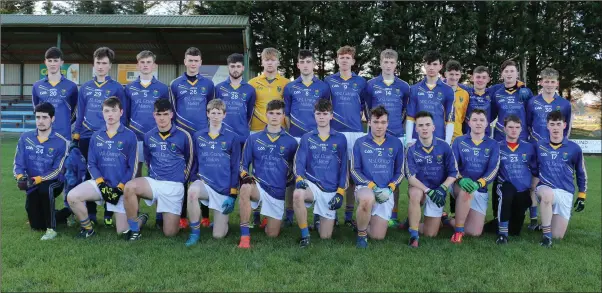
column 439, row 101
column 516, row 164
column 394, row 97
column 478, row 161
column 478, row 101
column 431, row 165
column 347, row 101
column 558, row 165
column 169, row 158
column 240, row 103
column 212, row 155
column 299, row 101
column 40, row 158
column 381, row 163
column 272, row 160
column 506, row 103
column 89, row 106
column 190, row 100
column 537, row 114
column 142, row 104
column 63, row 96
column 323, row 161
column 113, row 158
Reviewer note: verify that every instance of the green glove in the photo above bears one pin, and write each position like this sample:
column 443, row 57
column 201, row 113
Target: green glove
column 467, row 185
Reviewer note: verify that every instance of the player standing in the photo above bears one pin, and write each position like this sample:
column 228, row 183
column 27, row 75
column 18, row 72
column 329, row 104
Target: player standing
column 321, row 173
column 168, row 153
column 112, row 162
column 453, row 74
column 38, row 163
column 377, row 170
column 347, row 91
column 431, row 169
column 271, row 153
column 393, row 93
column 214, row 184
column 559, row 160
column 478, row 161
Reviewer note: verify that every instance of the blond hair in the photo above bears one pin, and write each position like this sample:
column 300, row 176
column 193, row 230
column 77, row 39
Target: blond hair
column 549, row 73
column 216, row 104
column 389, row 54
column 270, row 53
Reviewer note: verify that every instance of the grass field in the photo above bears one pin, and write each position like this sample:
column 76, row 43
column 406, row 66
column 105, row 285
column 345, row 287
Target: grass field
column 107, row 263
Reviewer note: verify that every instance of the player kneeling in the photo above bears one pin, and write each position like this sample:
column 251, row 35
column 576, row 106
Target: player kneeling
column 321, row 172
column 271, row 152
column 168, row 155
column 215, row 173
column 431, row 169
column 559, row 158
column 112, row 162
column 377, row 168
column 478, row 161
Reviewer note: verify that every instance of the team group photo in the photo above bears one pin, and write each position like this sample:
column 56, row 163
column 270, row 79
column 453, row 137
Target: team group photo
column 470, row 168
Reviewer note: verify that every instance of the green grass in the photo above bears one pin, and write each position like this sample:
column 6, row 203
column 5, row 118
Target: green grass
column 107, row 263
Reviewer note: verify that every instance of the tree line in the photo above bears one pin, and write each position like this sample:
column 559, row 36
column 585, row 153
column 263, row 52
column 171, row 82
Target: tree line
column 566, row 35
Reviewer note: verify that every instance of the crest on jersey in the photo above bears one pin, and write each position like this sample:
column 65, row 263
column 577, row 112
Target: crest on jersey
column 439, row 158
column 565, row 156
column 334, row 147
column 461, row 99
column 64, row 92
column 486, row 152
column 525, row 158
column 282, row 150
column 203, row 90
column 120, row 145
column 172, row 147
column 156, row 93
column 51, row 152
column 244, row 96
column 317, row 93
column 390, row 152
column 279, row 88
column 354, row 85
column 223, row 145
column 108, row 92
column 558, row 108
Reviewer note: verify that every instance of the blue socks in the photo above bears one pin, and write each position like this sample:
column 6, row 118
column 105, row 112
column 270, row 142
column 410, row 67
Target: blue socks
column 348, row 213
column 547, row 231
column 134, row 225
column 533, row 212
column 195, row 228
column 244, row 229
column 289, row 215
column 414, row 233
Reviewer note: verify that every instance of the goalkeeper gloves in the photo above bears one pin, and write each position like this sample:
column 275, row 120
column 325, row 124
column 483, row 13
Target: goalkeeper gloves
column 336, row 202
column 247, row 179
column 468, row 185
column 228, row 205
column 579, row 204
column 24, row 183
column 381, row 195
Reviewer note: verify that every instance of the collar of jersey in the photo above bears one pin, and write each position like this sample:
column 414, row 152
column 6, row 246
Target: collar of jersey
column 153, row 80
column 51, row 135
column 439, row 82
column 331, row 133
column 227, row 81
column 300, row 80
column 338, row 74
column 119, row 129
column 278, row 76
column 222, row 129
column 46, row 78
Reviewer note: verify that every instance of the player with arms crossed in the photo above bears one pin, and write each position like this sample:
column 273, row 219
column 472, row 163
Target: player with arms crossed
column 268, row 86
column 431, row 169
column 514, row 188
column 215, row 185
column 271, row 152
column 393, row 93
column 433, row 96
column 321, row 173
column 478, row 161
column 347, row 91
column 377, row 170
column 38, row 165
column 559, row 160
column 453, row 74
column 168, row 153
column 112, row 162
column 190, row 94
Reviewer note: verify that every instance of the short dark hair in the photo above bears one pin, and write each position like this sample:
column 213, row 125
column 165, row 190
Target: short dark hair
column 275, row 105
column 235, row 58
column 378, row 112
column 162, row 105
column 508, row 63
column 511, row 118
column 323, row 105
column 112, row 102
column 453, row 65
column 555, row 116
column 477, row 111
column 193, row 51
column 104, row 52
column 45, row 108
column 305, row 53
column 481, row 69
column 423, row 114
column 431, row 56
column 53, row 53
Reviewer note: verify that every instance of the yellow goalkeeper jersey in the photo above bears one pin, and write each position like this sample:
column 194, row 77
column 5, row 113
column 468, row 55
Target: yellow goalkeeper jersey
column 265, row 92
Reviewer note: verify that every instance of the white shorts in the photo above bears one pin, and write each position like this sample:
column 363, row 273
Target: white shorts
column 119, row 208
column 351, row 138
column 168, row 195
column 271, row 207
column 479, row 202
column 383, row 210
column 321, row 200
column 215, row 200
column 563, row 202
column 140, row 152
column 431, row 209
